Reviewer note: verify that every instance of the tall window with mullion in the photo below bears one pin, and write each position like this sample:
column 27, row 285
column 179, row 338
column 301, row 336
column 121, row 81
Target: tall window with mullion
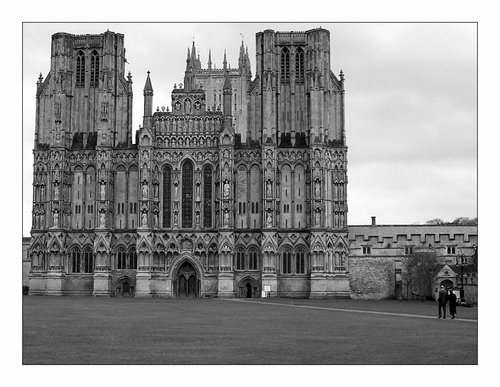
column 187, row 194
column 207, row 196
column 286, row 261
column 240, row 259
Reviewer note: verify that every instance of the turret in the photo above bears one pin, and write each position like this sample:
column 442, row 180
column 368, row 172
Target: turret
column 226, row 91
column 148, row 101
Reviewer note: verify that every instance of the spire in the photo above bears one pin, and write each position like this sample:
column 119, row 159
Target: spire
column 210, row 59
column 193, row 52
column 226, row 92
column 148, row 88
column 225, row 61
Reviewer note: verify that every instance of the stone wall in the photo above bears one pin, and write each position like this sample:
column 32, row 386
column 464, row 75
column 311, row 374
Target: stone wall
column 371, row 277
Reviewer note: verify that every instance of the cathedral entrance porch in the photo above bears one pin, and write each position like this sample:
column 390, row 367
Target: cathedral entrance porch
column 186, row 282
column 249, row 288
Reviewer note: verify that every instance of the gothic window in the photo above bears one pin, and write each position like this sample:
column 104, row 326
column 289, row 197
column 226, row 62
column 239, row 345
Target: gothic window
column 240, row 259
column 80, row 69
column 75, row 260
column 167, row 197
column 121, row 259
column 207, row 196
column 408, row 250
column 285, row 65
column 187, row 195
column 300, row 262
column 451, row 250
column 88, row 261
column 253, row 260
column 132, row 255
column 299, row 66
column 286, row 262
column 94, row 69
column 367, row 250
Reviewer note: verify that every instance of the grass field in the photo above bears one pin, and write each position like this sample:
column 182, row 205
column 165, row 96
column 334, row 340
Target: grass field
column 87, row 330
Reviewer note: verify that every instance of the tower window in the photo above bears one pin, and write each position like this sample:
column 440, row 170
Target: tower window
column 94, row 69
column 299, row 66
column 285, row 65
column 80, row 74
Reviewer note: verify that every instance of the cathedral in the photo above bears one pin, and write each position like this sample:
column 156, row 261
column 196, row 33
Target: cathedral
column 238, row 189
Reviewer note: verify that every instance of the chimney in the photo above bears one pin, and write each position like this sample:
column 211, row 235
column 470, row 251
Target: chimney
column 374, row 223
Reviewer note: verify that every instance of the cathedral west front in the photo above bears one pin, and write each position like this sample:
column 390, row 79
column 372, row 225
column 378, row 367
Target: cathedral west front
column 236, row 188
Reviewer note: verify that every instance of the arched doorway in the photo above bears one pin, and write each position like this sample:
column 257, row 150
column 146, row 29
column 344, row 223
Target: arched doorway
column 186, row 284
column 124, row 287
column 249, row 288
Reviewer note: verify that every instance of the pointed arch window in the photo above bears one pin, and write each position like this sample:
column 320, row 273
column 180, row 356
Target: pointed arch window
column 240, row 259
column 285, row 65
column 76, row 260
column 132, row 257
column 167, row 197
column 187, row 194
column 80, row 69
column 286, row 260
column 94, row 69
column 207, row 196
column 88, row 261
column 299, row 66
column 300, row 262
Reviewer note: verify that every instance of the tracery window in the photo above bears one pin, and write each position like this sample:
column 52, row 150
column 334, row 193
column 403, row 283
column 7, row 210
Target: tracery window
column 94, row 69
column 187, row 195
column 80, row 69
column 88, row 261
column 299, row 66
column 132, row 258
column 285, row 65
column 240, row 259
column 286, row 261
column 207, row 196
column 121, row 259
column 253, row 260
column 167, row 197
column 75, row 260
column 300, row 262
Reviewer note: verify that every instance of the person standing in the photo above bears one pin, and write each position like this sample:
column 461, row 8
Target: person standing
column 442, row 299
column 452, row 303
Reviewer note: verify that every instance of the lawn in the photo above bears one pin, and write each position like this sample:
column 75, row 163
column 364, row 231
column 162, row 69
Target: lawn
column 87, row 330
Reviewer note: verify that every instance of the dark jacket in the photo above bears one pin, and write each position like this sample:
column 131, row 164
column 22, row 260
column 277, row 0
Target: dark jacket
column 442, row 297
column 452, row 299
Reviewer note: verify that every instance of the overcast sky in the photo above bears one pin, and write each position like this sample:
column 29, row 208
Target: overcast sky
column 411, row 103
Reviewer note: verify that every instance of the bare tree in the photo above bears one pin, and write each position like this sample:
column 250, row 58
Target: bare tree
column 418, row 270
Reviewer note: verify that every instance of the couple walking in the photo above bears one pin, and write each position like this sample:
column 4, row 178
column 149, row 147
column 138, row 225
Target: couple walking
column 445, row 297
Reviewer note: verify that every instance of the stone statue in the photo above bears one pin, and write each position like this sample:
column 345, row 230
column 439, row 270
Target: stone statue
column 156, row 191
column 156, row 219
column 144, row 219
column 269, row 189
column 175, row 218
column 103, row 191
column 318, row 189
column 56, row 219
column 226, row 189
column 145, row 190
column 56, row 192
column 226, row 218
column 317, row 218
column 176, row 189
column 269, row 219
column 197, row 218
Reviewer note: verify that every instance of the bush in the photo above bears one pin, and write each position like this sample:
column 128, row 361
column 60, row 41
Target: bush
column 26, row 289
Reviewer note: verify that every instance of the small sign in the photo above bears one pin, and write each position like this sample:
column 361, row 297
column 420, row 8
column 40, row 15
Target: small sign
column 263, row 294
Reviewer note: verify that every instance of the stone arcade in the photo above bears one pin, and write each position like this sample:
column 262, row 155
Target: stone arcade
column 237, row 187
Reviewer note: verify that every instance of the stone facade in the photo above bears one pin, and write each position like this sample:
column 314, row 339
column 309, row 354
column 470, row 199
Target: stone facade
column 377, row 255
column 238, row 187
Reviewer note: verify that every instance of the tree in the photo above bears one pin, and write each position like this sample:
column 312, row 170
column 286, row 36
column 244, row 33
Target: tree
column 418, row 272
column 435, row 222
